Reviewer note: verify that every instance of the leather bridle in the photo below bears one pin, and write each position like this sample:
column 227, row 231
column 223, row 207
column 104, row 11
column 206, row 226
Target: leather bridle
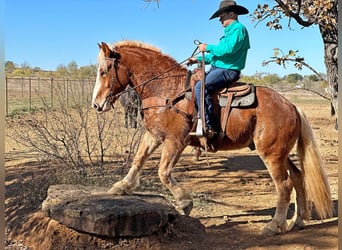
column 112, row 97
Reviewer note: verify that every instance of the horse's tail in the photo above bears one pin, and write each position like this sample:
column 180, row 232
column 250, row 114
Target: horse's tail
column 315, row 179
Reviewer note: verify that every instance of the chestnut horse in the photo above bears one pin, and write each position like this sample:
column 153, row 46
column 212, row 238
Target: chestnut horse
column 274, row 125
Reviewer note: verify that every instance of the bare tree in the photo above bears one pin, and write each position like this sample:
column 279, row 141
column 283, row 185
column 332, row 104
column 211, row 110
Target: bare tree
column 306, row 13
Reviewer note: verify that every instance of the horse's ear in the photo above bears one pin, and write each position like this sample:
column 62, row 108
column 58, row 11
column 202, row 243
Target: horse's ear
column 105, row 48
column 99, row 45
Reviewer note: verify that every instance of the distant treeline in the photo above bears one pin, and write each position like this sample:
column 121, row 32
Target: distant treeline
column 72, row 71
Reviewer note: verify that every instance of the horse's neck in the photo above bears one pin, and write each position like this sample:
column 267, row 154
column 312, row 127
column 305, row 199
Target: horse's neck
column 154, row 75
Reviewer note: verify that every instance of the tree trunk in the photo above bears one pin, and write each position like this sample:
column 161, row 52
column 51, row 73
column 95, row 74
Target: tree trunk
column 330, row 59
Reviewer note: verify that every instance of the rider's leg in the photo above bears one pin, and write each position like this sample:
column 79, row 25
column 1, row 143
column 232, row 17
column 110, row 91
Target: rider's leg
column 216, row 79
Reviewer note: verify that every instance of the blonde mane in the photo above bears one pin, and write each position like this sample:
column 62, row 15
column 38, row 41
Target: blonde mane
column 129, row 43
column 125, row 43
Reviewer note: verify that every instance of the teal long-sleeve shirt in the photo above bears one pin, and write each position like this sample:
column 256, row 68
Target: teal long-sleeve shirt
column 231, row 52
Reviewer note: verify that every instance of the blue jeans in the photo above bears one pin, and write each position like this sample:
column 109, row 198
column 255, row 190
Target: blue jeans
column 216, row 79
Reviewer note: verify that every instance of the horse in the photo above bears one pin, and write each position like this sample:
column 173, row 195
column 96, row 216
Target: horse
column 273, row 125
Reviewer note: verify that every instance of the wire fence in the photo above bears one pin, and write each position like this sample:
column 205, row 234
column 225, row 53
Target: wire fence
column 32, row 93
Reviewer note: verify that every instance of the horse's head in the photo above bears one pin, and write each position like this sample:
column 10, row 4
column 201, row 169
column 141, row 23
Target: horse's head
column 111, row 78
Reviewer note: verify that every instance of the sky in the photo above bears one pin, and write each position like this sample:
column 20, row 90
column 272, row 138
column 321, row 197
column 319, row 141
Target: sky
column 48, row 34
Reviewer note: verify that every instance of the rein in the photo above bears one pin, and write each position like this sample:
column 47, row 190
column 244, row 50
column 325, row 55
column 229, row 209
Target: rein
column 112, row 97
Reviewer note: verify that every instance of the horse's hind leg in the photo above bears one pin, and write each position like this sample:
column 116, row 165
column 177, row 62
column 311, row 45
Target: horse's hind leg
column 302, row 207
column 283, row 184
column 171, row 152
column 127, row 185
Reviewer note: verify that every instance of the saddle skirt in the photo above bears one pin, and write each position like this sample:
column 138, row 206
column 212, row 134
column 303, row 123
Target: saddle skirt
column 243, row 95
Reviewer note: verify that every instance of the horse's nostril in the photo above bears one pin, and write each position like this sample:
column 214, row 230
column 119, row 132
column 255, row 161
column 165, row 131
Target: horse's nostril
column 97, row 107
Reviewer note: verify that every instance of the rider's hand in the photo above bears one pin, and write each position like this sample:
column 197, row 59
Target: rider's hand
column 192, row 60
column 202, row 47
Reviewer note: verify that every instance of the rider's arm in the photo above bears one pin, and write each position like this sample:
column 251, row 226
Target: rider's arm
column 235, row 38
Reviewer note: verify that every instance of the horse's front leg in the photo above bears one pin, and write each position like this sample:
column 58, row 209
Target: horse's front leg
column 171, row 152
column 131, row 181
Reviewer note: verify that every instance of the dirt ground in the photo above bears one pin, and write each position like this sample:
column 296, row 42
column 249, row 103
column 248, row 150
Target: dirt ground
column 234, row 198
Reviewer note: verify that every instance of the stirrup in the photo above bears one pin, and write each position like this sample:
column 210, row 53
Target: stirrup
column 199, row 129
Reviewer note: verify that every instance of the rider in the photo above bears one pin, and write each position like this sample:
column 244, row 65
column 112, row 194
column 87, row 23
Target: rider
column 227, row 58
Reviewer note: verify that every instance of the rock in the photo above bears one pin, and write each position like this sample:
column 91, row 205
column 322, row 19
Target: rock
column 92, row 210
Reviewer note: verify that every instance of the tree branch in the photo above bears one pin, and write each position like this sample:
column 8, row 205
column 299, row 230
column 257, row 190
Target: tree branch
column 307, row 89
column 300, row 61
column 290, row 57
column 294, row 15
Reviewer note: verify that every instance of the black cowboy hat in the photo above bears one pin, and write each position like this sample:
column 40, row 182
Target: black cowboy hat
column 229, row 5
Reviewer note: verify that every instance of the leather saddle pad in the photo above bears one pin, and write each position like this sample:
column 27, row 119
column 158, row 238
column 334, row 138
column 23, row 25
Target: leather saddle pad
column 243, row 96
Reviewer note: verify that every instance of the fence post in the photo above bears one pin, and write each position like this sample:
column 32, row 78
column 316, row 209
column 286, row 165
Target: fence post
column 67, row 92
column 38, row 86
column 6, row 96
column 30, row 94
column 51, row 92
column 82, row 91
column 22, row 88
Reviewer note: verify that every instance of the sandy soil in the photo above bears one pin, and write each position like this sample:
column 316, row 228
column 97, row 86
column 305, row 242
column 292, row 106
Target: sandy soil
column 234, row 198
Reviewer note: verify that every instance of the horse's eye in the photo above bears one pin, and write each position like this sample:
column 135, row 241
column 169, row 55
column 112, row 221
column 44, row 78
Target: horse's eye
column 103, row 73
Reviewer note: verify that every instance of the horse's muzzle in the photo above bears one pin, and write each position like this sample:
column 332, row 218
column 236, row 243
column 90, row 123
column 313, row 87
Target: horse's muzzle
column 97, row 107
column 101, row 108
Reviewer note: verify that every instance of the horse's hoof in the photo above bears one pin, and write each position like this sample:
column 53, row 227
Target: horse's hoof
column 268, row 232
column 271, row 229
column 186, row 206
column 295, row 226
column 118, row 188
column 115, row 191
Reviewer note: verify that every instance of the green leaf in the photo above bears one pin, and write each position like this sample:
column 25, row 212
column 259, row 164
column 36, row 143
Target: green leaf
column 292, row 53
